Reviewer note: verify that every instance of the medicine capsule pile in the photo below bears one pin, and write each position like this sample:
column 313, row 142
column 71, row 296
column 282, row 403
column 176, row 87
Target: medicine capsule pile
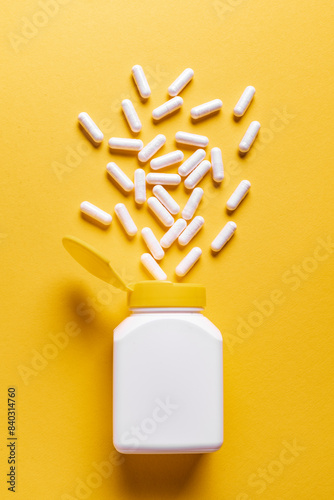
column 190, row 171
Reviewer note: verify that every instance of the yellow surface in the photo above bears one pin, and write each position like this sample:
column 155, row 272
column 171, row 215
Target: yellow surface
column 278, row 370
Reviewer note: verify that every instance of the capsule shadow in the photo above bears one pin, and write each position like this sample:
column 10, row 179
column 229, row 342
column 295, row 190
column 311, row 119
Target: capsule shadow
column 118, row 186
column 128, row 236
column 236, row 118
column 93, row 221
column 123, row 152
column 134, row 134
column 189, row 147
column 195, row 121
column 161, row 224
column 91, row 140
column 170, row 115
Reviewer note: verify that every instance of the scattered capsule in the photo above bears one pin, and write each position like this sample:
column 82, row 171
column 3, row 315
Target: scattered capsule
column 244, row 101
column 167, row 108
column 166, row 199
column 189, row 260
column 140, row 186
column 131, row 115
column 197, row 175
column 125, row 219
column 120, row 177
column 191, row 139
column 151, row 148
column 153, row 267
column 191, row 230
column 141, row 81
column 192, row 203
column 191, row 162
column 224, row 236
column 166, row 160
column 124, row 144
column 95, row 213
column 152, row 243
column 239, row 194
column 217, row 165
column 249, row 137
column 91, row 128
column 180, row 82
column 206, row 109
column 160, row 211
column 164, row 179
column 173, row 233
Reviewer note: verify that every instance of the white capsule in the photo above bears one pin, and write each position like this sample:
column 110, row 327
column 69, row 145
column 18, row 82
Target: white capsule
column 152, row 243
column 141, row 81
column 249, row 137
column 167, row 107
column 160, row 211
column 180, row 82
column 217, row 165
column 165, row 179
column 191, row 230
column 166, row 199
column 244, row 101
column 166, row 160
column 206, row 109
column 239, row 194
column 125, row 144
column 120, row 177
column 189, row 260
column 153, row 267
column 95, row 213
column 125, row 219
column 191, row 162
column 91, row 128
column 224, row 236
column 192, row 203
column 152, row 147
column 140, row 186
column 173, row 233
column 191, row 139
column 131, row 115
column 197, row 175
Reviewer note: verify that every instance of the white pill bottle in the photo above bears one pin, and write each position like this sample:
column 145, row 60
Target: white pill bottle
column 167, row 364
column 167, row 373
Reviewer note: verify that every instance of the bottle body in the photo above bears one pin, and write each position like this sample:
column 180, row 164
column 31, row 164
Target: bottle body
column 167, row 382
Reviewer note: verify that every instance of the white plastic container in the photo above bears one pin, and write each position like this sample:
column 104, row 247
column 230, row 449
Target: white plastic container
column 168, row 373
column 168, row 364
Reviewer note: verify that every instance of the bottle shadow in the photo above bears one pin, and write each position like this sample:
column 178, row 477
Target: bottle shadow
column 145, row 476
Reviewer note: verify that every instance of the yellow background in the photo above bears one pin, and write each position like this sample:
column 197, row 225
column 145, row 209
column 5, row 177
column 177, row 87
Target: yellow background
column 278, row 374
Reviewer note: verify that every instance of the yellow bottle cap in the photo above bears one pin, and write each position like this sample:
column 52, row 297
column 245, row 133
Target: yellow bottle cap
column 166, row 294
column 141, row 294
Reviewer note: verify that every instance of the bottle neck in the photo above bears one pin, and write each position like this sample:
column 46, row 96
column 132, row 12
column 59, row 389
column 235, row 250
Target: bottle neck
column 157, row 310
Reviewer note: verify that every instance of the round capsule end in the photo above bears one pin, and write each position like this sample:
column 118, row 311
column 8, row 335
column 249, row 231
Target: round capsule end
column 243, row 147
